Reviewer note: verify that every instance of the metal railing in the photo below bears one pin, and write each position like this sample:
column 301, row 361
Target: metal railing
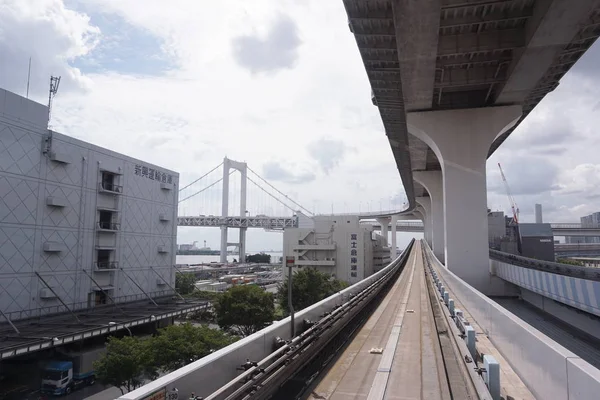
column 110, row 187
column 575, row 271
column 59, row 309
column 567, row 225
column 108, row 226
column 107, row 265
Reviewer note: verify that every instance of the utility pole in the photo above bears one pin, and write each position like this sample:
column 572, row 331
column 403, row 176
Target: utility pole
column 289, row 261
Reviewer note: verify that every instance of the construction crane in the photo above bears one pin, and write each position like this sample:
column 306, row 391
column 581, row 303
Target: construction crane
column 511, row 199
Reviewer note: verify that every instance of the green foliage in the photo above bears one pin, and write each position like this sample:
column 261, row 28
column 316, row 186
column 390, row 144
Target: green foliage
column 308, row 287
column 245, row 309
column 259, row 258
column 126, row 363
column 129, row 361
column 184, row 282
column 570, row 261
column 178, row 345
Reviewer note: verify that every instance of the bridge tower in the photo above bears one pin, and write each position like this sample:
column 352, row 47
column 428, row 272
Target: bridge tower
column 243, row 168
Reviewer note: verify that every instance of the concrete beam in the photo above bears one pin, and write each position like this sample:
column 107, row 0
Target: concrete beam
column 417, row 25
column 506, row 39
column 553, row 25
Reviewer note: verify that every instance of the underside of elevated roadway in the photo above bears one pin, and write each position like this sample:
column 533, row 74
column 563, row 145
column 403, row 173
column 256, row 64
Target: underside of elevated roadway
column 433, row 55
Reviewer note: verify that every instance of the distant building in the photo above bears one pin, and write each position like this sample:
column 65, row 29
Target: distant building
column 537, row 241
column 589, row 221
column 338, row 245
column 78, row 222
column 538, row 214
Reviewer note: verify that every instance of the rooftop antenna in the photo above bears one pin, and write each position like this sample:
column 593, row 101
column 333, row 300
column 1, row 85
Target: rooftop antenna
column 28, row 77
column 54, row 83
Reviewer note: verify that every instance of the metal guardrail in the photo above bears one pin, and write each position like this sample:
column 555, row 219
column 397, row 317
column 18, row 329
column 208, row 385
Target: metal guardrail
column 574, row 271
column 36, row 313
column 549, row 370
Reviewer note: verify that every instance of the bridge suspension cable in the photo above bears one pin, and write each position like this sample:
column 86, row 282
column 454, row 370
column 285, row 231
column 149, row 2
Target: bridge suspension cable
column 206, row 174
column 278, row 191
column 207, row 187
column 261, row 188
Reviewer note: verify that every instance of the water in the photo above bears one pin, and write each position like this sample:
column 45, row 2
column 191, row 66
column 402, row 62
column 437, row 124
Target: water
column 208, row 259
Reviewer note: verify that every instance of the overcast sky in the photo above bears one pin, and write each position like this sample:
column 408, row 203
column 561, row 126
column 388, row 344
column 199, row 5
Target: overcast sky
column 276, row 83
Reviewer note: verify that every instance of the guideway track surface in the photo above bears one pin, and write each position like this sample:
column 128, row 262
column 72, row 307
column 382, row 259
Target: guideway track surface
column 264, row 379
column 412, row 364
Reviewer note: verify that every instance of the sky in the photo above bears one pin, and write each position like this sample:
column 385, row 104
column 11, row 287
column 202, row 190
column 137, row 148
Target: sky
column 277, row 84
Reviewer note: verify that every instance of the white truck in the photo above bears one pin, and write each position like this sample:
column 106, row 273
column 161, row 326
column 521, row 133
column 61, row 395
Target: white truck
column 71, row 372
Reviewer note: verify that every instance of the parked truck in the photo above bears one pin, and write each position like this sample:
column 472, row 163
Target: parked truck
column 71, row 372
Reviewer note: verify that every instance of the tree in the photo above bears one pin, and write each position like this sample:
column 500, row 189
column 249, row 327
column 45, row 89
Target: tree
column 259, row 258
column 184, row 282
column 569, row 261
column 308, row 287
column 245, row 309
column 179, row 345
column 127, row 363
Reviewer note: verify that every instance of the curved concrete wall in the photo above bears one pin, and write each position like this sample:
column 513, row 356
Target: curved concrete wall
column 579, row 293
column 208, row 374
column 549, row 370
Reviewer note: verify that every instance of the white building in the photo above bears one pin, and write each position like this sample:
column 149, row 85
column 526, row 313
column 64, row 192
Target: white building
column 338, row 245
column 76, row 218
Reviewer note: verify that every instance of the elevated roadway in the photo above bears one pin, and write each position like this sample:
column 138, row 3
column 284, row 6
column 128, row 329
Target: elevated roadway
column 452, row 79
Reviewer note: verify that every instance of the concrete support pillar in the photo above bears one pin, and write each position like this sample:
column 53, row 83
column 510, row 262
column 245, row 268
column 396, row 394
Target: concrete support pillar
column 393, row 251
column 425, row 202
column 421, row 214
column 384, row 222
column 461, row 139
column 243, row 191
column 432, row 181
column 225, row 209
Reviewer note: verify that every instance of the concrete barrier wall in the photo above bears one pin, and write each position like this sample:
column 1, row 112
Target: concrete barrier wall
column 549, row 370
column 583, row 294
column 208, row 374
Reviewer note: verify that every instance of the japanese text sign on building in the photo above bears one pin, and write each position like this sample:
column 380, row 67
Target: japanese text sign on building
column 151, row 173
column 353, row 254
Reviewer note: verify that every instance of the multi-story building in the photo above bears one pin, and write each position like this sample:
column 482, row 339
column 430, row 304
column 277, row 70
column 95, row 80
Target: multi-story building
column 338, row 245
column 78, row 223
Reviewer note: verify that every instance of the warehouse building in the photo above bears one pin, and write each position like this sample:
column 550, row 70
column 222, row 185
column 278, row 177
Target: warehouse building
column 80, row 225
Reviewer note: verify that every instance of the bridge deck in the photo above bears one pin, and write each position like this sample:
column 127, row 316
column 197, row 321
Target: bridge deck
column 411, row 365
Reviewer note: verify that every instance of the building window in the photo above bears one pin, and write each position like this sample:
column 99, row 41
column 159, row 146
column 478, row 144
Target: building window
column 105, row 220
column 103, row 259
column 109, row 182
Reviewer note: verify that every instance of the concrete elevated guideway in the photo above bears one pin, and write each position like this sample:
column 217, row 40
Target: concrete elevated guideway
column 425, row 337
column 452, row 79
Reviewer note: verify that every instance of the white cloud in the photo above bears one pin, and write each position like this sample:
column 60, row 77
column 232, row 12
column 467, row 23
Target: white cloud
column 315, row 109
column 52, row 35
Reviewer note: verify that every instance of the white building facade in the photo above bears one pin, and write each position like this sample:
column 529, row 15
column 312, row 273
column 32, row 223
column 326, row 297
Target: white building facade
column 79, row 224
column 338, row 245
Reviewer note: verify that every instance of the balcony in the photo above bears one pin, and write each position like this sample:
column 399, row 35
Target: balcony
column 107, row 187
column 106, row 226
column 106, row 265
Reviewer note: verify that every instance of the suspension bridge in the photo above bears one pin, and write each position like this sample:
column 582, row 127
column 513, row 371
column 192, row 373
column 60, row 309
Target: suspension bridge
column 232, row 195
